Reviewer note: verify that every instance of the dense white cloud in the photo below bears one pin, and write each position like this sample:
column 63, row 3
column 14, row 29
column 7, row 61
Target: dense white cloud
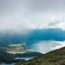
column 18, row 15
column 47, row 46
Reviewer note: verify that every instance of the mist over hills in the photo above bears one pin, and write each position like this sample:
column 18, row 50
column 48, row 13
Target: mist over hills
column 32, row 36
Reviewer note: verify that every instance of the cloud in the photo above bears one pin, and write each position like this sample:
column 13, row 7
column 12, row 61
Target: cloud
column 39, row 40
column 59, row 24
column 47, row 46
column 21, row 15
column 47, row 5
column 38, row 20
column 35, row 35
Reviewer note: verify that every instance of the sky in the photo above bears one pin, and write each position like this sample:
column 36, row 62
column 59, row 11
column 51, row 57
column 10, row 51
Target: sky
column 23, row 15
column 18, row 15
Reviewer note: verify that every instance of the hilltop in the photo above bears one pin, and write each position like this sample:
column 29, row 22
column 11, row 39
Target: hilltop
column 16, row 48
column 56, row 57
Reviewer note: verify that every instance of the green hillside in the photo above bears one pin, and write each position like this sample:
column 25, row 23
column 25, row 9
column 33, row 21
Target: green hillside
column 56, row 57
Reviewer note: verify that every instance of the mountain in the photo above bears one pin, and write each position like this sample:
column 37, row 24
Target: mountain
column 20, row 51
column 29, row 54
column 6, row 57
column 56, row 57
column 16, row 48
column 32, row 36
column 15, row 53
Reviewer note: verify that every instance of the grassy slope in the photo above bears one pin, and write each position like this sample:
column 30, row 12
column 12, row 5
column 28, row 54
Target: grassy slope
column 56, row 57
